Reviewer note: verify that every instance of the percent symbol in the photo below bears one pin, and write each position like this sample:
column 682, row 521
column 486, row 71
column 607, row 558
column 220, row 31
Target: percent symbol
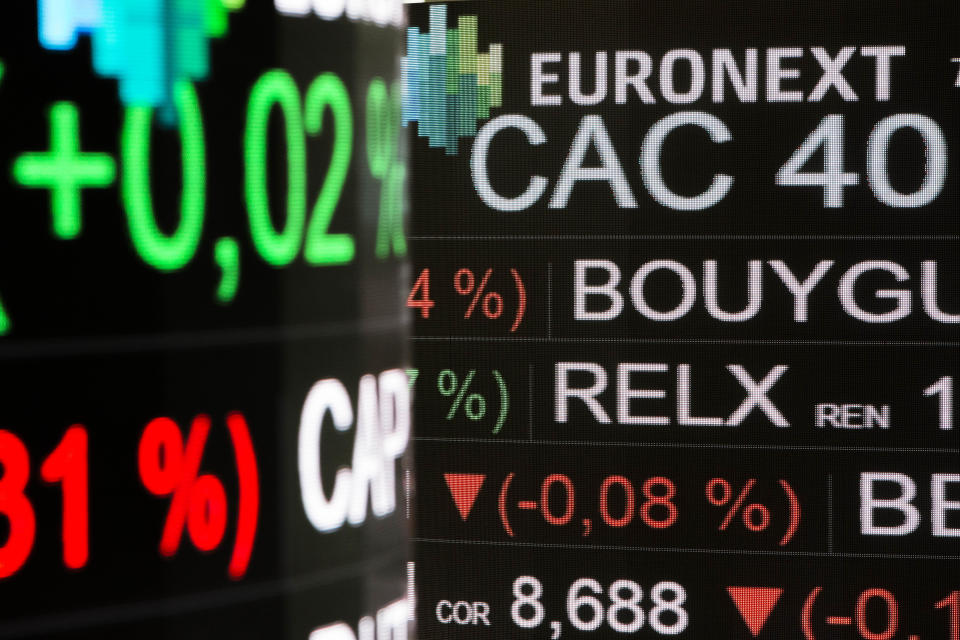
column 491, row 303
column 383, row 136
column 474, row 404
column 748, row 513
column 755, row 516
column 168, row 468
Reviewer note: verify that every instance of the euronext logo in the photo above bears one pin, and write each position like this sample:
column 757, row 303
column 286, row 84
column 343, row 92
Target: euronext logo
column 149, row 45
column 448, row 85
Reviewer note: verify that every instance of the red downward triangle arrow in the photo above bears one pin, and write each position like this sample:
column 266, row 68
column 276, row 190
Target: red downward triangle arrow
column 464, row 488
column 755, row 604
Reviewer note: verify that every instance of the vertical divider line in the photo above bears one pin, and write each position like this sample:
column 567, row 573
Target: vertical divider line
column 549, row 300
column 407, row 489
column 530, row 401
column 830, row 513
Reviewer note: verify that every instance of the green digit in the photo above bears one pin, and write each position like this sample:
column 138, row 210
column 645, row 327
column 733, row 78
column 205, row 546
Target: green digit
column 277, row 248
column 322, row 248
column 159, row 250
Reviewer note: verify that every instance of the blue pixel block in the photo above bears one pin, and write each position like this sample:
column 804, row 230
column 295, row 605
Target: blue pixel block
column 62, row 21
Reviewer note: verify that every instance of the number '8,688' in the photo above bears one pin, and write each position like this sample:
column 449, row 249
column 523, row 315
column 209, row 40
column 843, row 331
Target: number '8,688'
column 620, row 605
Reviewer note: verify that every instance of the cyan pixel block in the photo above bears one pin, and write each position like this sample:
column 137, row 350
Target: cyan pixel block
column 410, row 77
column 148, row 45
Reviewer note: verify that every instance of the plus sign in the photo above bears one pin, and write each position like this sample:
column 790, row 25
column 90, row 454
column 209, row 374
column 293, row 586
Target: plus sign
column 65, row 170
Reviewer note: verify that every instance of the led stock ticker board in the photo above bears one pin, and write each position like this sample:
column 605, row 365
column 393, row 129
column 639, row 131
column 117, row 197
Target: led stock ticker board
column 686, row 305
column 202, row 336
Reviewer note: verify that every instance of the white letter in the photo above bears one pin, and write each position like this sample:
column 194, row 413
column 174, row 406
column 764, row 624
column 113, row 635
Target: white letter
column 928, row 293
column 293, row 7
column 394, row 388
column 683, row 402
column 338, row 631
column 382, row 11
column 609, row 289
column 392, row 621
column 368, row 475
column 869, row 504
column 625, row 392
column 883, row 55
column 776, row 73
column 357, row 10
column 329, row 9
column 833, row 74
column 939, row 505
column 366, row 628
column 444, row 618
column 592, row 131
column 325, row 515
column 849, row 281
column 599, row 79
column 688, row 287
column 800, row 290
column 650, row 161
column 745, row 85
column 754, row 292
column 757, row 395
column 538, row 78
column 638, row 81
column 697, row 76
column 478, row 163
column 562, row 390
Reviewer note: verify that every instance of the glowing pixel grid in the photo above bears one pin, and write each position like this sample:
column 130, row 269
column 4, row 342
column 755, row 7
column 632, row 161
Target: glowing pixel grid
column 149, row 45
column 448, row 85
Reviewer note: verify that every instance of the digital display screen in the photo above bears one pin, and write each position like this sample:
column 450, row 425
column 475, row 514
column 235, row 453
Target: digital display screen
column 202, row 338
column 686, row 305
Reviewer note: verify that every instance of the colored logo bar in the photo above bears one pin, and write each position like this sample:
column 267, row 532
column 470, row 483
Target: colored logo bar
column 448, row 85
column 148, row 45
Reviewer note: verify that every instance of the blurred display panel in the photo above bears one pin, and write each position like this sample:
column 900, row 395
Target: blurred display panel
column 202, row 338
column 686, row 305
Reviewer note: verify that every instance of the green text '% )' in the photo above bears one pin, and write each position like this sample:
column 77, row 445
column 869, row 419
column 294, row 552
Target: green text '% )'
column 474, row 405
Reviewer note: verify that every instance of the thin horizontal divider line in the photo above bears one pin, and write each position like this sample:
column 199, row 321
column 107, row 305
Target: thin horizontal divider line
column 694, row 445
column 748, row 552
column 164, row 607
column 679, row 236
column 186, row 340
column 770, row 342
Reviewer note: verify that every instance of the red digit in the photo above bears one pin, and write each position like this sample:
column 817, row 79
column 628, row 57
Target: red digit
column 892, row 614
column 68, row 466
column 14, row 504
column 567, row 484
column 628, row 507
column 421, row 286
column 952, row 604
column 654, row 500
